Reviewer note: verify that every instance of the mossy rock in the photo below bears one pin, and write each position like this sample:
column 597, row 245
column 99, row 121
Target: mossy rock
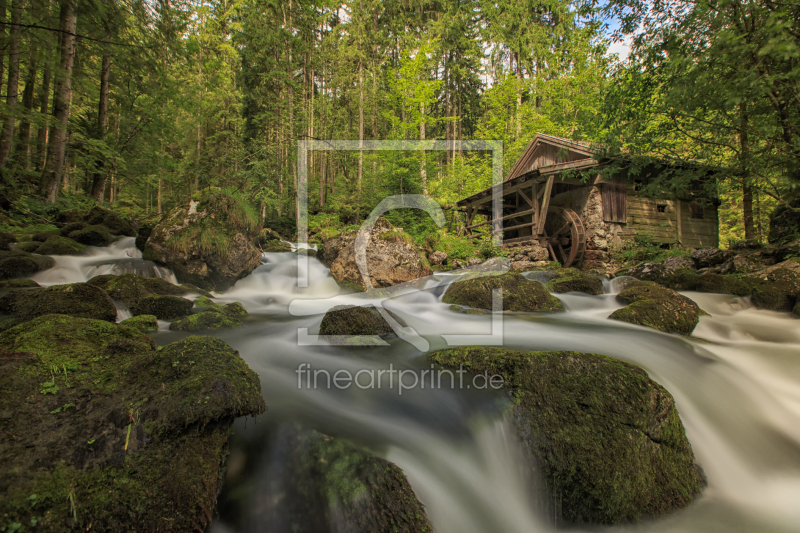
column 20, row 264
column 109, row 432
column 92, row 236
column 779, row 292
column 796, row 310
column 649, row 304
column 608, row 439
column 687, row 280
column 210, row 319
column 28, row 246
column 72, row 227
column 42, row 236
column 519, row 293
column 337, row 483
column 142, row 235
column 98, row 216
column 19, row 284
column 132, row 290
column 163, row 307
column 57, row 245
column 6, row 239
column 573, row 280
column 354, row 320
column 144, row 323
column 74, row 299
column 275, row 246
column 205, row 301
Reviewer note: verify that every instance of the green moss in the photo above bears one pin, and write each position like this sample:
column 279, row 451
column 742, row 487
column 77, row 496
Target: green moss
column 211, row 319
column 651, row 305
column 42, row 236
column 92, row 236
column 6, row 239
column 75, row 299
column 163, row 307
column 18, row 284
column 205, row 301
column 608, row 438
column 687, row 280
column 57, row 245
column 796, row 310
column 20, row 264
column 142, row 440
column 519, row 293
column 144, row 323
column 146, row 296
column 573, row 280
column 354, row 320
column 28, row 246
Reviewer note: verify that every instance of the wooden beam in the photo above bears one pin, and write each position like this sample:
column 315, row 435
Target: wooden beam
column 545, row 205
column 500, row 219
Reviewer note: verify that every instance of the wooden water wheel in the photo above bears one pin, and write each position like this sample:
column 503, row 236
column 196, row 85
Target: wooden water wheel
column 565, row 235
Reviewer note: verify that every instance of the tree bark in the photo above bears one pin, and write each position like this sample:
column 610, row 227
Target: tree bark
column 51, row 177
column 99, row 181
column 44, row 100
column 747, row 189
column 519, row 97
column 160, row 195
column 423, row 171
column 23, row 149
column 13, row 84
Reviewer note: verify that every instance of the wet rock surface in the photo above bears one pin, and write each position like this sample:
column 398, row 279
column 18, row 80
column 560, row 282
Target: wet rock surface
column 17, row 264
column 75, row 299
column 607, row 438
column 649, row 304
column 146, row 296
column 519, row 293
column 573, row 280
column 354, row 320
column 109, row 432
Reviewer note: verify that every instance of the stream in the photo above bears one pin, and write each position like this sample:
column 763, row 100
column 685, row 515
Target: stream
column 736, row 383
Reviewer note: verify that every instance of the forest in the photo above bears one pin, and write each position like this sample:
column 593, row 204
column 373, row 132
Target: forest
column 138, row 103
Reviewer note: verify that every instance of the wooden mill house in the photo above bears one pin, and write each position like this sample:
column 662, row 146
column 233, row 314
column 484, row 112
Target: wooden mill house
column 558, row 194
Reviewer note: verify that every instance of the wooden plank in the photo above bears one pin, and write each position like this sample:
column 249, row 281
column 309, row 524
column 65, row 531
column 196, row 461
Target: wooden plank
column 500, row 219
column 678, row 217
column 545, row 205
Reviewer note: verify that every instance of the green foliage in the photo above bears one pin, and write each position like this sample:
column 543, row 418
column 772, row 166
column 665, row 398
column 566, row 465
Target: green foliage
column 645, row 248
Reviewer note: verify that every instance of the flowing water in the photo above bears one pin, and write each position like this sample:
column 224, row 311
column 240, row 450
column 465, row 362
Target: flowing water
column 736, row 383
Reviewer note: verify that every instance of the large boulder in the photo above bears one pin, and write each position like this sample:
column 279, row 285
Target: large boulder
column 57, row 245
column 142, row 235
column 110, row 432
column 391, row 259
column 6, row 239
column 20, row 264
column 650, row 304
column 779, row 292
column 573, row 280
column 330, row 484
column 687, row 280
column 95, row 235
column 608, row 439
column 75, row 299
column 207, row 240
column 144, row 323
column 519, row 293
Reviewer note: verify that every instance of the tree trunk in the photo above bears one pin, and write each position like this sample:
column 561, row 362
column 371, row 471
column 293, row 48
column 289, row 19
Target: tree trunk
column 23, row 149
column 51, row 177
column 519, row 98
column 360, row 137
column 160, row 196
column 44, row 100
column 747, row 189
column 199, row 118
column 423, row 172
column 13, row 83
column 99, row 181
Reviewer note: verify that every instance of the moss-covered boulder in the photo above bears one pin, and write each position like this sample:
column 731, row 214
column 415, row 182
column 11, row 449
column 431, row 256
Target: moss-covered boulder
column 57, row 245
column 649, row 304
column 92, row 236
column 6, row 239
column 796, row 310
column 354, row 320
column 142, row 235
column 784, row 223
column 144, row 323
column 519, row 293
column 44, row 235
column 18, row 284
column 208, row 240
column 573, row 280
column 109, row 432
column 28, row 246
column 334, row 485
column 147, row 296
column 71, row 227
column 20, row 264
column 205, row 301
column 608, row 438
column 98, row 216
column 74, row 299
